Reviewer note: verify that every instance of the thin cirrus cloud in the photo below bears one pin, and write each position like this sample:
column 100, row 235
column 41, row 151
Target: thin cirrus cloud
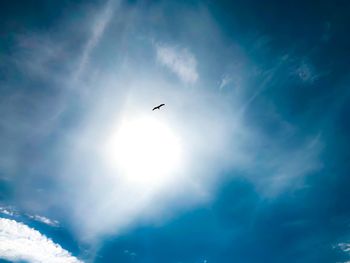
column 6, row 211
column 44, row 220
column 178, row 60
column 12, row 212
column 225, row 81
column 344, row 247
column 19, row 242
column 98, row 28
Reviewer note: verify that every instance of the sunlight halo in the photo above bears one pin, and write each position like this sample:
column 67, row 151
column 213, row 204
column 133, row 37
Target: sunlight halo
column 144, row 150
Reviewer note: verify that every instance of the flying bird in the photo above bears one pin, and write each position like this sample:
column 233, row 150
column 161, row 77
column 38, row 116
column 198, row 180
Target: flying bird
column 158, row 107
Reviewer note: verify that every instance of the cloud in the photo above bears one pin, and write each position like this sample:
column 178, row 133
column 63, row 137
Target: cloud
column 6, row 211
column 130, row 253
column 225, row 81
column 344, row 247
column 12, row 212
column 19, row 242
column 215, row 138
column 114, row 204
column 288, row 168
column 306, row 72
column 38, row 55
column 180, row 61
column 44, row 220
column 98, row 27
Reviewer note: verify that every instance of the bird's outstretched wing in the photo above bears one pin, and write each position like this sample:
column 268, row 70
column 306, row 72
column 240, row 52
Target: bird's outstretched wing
column 158, row 107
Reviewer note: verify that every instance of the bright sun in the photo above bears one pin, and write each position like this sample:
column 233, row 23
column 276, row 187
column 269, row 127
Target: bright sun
column 144, row 150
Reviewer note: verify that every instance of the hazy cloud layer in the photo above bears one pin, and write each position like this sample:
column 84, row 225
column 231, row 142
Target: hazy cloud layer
column 216, row 135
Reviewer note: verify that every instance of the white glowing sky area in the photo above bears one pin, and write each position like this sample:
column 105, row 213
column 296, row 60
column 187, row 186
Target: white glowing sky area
column 144, row 150
column 141, row 165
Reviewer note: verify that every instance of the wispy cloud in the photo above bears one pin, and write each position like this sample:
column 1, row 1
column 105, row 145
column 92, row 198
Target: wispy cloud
column 306, row 72
column 6, row 211
column 11, row 212
column 345, row 248
column 44, row 220
column 98, row 27
column 179, row 60
column 38, row 56
column 96, row 202
column 131, row 254
column 225, row 81
column 287, row 168
column 19, row 242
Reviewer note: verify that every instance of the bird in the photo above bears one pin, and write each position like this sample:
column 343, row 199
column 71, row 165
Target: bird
column 158, row 107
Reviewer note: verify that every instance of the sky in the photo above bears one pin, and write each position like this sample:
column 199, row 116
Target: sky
column 247, row 161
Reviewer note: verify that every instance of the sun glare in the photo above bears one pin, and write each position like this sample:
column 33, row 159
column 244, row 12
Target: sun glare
column 144, row 150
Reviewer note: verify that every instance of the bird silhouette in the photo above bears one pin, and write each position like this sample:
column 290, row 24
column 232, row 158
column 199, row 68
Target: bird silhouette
column 158, row 107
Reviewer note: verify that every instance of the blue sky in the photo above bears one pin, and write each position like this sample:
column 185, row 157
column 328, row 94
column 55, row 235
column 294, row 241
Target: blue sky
column 246, row 162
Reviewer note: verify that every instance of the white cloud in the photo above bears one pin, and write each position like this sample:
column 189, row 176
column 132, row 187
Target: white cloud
column 6, row 211
column 36, row 55
column 11, row 212
column 225, row 81
column 98, row 27
column 289, row 167
column 19, row 242
column 96, row 202
column 180, row 61
column 44, row 220
column 344, row 247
